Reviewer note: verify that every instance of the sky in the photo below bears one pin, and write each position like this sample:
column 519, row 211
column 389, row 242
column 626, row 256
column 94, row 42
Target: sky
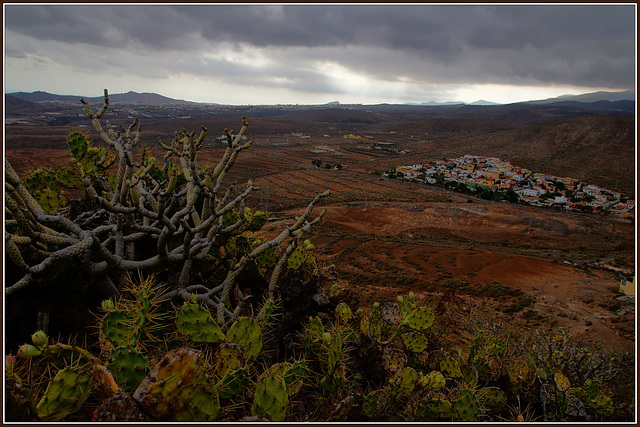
column 318, row 53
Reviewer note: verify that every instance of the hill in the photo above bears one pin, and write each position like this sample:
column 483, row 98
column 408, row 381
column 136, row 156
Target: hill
column 129, row 97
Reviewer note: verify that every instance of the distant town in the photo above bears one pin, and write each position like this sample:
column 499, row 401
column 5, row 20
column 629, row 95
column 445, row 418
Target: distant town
column 495, row 179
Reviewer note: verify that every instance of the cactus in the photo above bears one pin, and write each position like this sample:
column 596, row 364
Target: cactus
column 296, row 259
column 415, row 341
column 247, row 333
column 64, row 395
column 149, row 227
column 420, row 319
column 205, row 404
column 171, row 384
column 492, row 399
column 466, row 407
column 228, row 357
column 118, row 408
column 562, row 383
column 270, row 398
column 267, row 259
column 197, row 323
column 376, row 401
column 451, row 367
column 495, row 346
column 434, row 409
column 78, row 144
column 129, row 366
column 404, row 381
column 518, row 372
column 393, row 359
column 49, row 200
column 233, row 383
column 68, row 177
column 114, row 327
column 344, row 313
column 432, row 381
column 390, row 313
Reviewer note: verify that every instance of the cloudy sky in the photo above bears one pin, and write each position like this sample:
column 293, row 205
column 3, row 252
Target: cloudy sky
column 313, row 54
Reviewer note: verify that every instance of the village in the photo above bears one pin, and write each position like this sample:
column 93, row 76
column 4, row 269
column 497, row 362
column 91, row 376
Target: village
column 495, row 179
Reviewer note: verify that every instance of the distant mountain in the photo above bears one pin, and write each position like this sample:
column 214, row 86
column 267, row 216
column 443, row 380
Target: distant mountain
column 130, row 97
column 627, row 95
column 483, row 102
column 435, row 104
column 17, row 106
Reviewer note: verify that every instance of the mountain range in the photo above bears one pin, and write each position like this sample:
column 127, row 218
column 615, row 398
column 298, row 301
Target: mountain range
column 154, row 98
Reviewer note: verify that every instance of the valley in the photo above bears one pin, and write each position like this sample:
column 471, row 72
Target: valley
column 469, row 258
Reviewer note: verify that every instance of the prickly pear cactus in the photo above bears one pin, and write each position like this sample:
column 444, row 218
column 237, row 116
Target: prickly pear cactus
column 233, row 383
column 228, row 357
column 129, row 366
column 466, row 407
column 404, row 381
column 393, row 359
column 415, row 341
column 171, row 384
column 247, row 333
column 78, row 144
column 518, row 372
column 451, row 367
column 344, row 312
column 205, row 405
column 420, row 319
column 197, row 323
column 68, row 177
column 492, row 399
column 271, row 398
column 432, row 381
column 267, row 259
column 49, row 200
column 114, row 326
column 296, row 259
column 376, row 401
column 390, row 313
column 64, row 395
column 434, row 409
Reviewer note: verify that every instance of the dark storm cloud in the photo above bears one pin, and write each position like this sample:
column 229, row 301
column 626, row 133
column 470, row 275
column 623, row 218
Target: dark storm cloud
column 570, row 44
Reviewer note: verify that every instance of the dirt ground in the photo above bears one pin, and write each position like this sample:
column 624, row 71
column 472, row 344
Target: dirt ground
column 382, row 250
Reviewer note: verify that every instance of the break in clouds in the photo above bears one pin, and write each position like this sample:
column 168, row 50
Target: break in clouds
column 416, row 50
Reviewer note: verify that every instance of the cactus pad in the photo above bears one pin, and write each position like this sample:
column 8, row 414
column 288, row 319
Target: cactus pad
column 420, row 319
column 129, row 366
column 404, row 381
column 436, row 408
column 64, row 395
column 233, row 383
column 390, row 313
column 271, row 398
column 415, row 341
column 466, row 407
column 296, row 259
column 197, row 323
column 228, row 357
column 492, row 399
column 247, row 333
column 433, row 380
column 451, row 368
column 344, row 312
column 171, row 384
column 78, row 145
column 393, row 359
